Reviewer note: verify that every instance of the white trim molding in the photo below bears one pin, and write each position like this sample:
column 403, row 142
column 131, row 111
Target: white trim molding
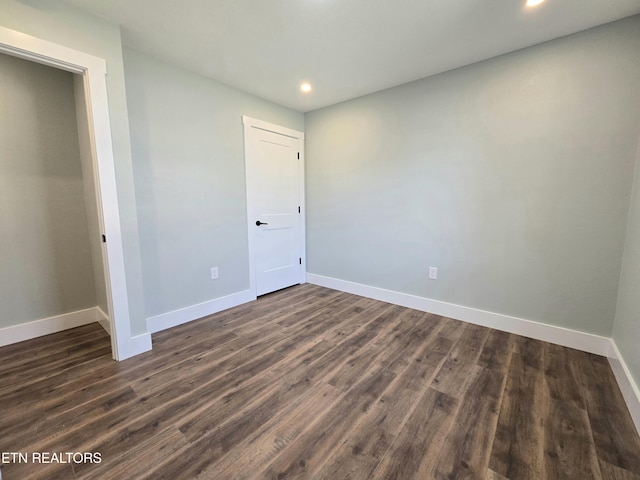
column 138, row 344
column 46, row 326
column 271, row 127
column 628, row 386
column 103, row 319
column 174, row 318
column 587, row 342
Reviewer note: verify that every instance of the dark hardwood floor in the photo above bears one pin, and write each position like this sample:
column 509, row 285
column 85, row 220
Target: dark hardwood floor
column 313, row 383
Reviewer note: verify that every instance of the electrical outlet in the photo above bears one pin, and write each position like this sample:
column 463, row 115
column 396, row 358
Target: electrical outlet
column 433, row 273
column 214, row 273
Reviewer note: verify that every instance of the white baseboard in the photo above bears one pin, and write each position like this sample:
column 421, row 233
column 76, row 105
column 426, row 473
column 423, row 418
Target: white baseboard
column 46, row 326
column 628, row 386
column 136, row 345
column 163, row 321
column 540, row 331
column 103, row 319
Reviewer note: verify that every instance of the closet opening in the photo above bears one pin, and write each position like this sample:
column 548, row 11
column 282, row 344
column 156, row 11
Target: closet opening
column 62, row 260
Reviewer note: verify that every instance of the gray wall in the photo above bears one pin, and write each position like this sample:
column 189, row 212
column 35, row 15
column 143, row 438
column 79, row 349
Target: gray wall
column 90, row 197
column 187, row 144
column 512, row 176
column 53, row 21
column 626, row 332
column 46, row 265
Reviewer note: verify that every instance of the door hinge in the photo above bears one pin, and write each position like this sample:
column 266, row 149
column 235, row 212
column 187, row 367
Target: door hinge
column 104, row 239
column 300, row 260
column 298, row 155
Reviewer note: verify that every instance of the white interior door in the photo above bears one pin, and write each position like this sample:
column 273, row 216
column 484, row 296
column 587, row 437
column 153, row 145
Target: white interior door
column 274, row 168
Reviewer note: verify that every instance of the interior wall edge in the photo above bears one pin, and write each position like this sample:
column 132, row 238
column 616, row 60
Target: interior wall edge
column 103, row 319
column 628, row 386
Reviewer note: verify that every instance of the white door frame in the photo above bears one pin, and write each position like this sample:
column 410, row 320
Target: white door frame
column 93, row 71
column 248, row 124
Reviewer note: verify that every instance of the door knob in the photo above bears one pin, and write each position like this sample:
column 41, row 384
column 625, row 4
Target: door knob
column 258, row 223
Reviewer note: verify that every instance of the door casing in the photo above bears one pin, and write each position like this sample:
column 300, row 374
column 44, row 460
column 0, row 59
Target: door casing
column 252, row 123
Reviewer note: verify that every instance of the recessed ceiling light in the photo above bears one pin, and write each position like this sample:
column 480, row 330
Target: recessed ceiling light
column 533, row 3
column 305, row 87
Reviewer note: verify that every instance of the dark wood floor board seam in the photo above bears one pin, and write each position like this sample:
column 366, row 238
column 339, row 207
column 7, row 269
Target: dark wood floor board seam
column 474, row 425
column 135, row 462
column 460, row 368
column 359, row 316
column 359, row 454
column 50, row 343
column 39, row 367
column 517, row 449
column 397, row 409
column 307, row 455
column 94, row 382
column 166, row 409
column 413, row 452
column 242, row 430
column 569, row 448
column 273, row 437
column 614, row 435
column 208, row 362
column 34, row 388
column 408, row 347
column 44, row 429
column 291, row 313
column 332, row 311
column 272, row 315
column 611, row 472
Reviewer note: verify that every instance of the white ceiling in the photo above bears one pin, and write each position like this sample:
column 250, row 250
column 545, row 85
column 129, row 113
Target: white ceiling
column 345, row 48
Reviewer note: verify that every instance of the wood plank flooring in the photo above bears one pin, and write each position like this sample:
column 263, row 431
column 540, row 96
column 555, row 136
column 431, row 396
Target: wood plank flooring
column 313, row 383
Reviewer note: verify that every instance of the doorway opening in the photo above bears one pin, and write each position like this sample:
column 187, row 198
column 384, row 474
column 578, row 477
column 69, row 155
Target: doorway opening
column 52, row 270
column 90, row 93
